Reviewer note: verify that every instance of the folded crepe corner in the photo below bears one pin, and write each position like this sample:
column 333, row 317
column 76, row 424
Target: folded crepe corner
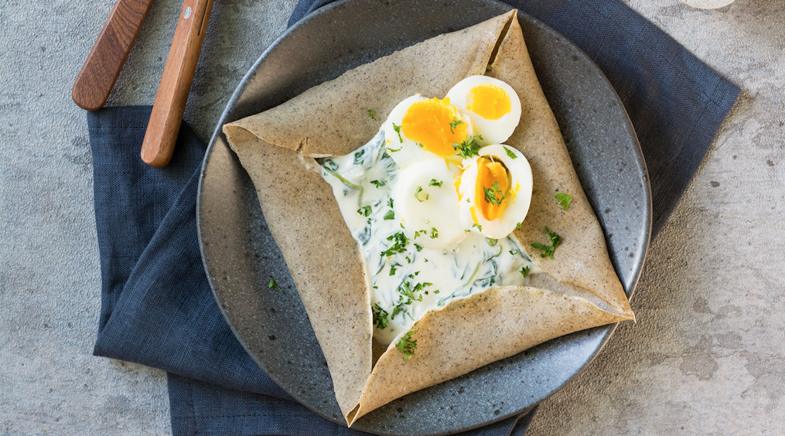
column 579, row 289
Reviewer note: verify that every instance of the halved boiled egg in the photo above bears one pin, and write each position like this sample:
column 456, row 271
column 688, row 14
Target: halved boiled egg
column 420, row 128
column 426, row 203
column 492, row 105
column 495, row 190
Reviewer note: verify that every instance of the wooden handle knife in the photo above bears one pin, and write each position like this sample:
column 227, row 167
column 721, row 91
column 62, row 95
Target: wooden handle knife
column 102, row 66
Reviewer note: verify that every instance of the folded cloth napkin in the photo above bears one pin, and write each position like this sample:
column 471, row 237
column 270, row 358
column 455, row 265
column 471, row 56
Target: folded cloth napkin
column 157, row 307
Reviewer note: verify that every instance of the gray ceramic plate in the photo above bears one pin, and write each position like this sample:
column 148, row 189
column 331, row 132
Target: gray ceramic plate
column 239, row 253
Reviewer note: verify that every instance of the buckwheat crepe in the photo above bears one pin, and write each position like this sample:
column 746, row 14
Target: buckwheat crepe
column 576, row 290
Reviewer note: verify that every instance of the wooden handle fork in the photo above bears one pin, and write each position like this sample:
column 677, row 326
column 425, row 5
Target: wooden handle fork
column 167, row 114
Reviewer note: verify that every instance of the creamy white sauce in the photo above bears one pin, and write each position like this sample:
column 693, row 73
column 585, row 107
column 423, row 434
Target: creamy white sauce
column 406, row 279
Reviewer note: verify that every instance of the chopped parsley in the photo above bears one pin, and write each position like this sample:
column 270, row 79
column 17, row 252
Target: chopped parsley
column 398, row 308
column 378, row 183
column 394, row 268
column 435, row 182
column 419, row 233
column 494, row 194
column 455, row 123
column 434, row 233
column 525, row 271
column 477, row 226
column 365, row 210
column 380, row 316
column 412, row 292
column 406, row 345
column 421, row 195
column 564, row 199
column 468, row 148
column 408, row 293
column 510, row 153
column 492, row 242
column 547, row 250
column 272, row 284
column 397, row 129
column 373, row 115
column 390, row 213
column 399, row 241
column 417, row 247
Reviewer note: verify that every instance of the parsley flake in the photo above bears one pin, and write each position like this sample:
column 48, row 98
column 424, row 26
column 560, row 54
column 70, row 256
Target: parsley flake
column 393, row 269
column 399, row 241
column 390, row 213
column 564, row 199
column 468, row 148
column 406, row 345
column 510, row 153
column 365, row 210
column 492, row 242
column 455, row 123
column 397, row 129
column 272, row 284
column 434, row 233
column 435, row 182
column 378, row 183
column 547, row 250
column 494, row 194
column 373, row 115
column 525, row 271
column 380, row 316
column 421, row 195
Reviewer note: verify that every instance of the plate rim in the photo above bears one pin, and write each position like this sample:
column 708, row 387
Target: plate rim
column 242, row 85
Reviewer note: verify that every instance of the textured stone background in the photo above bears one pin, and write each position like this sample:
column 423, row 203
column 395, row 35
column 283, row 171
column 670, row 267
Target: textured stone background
column 707, row 355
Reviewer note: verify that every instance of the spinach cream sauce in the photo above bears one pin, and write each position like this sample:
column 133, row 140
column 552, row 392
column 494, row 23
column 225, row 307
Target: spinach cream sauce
column 405, row 278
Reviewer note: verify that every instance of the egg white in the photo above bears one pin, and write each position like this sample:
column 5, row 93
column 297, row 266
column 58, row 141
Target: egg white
column 488, row 131
column 425, row 199
column 521, row 184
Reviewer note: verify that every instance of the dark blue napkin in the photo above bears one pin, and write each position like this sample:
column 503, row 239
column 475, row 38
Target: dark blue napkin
column 157, row 307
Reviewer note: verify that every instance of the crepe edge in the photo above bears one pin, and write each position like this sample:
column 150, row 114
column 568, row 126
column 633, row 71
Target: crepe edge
column 603, row 280
column 248, row 147
column 476, row 61
column 524, row 308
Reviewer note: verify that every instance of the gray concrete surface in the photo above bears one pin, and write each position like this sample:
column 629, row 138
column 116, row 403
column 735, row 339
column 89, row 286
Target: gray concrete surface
column 707, row 355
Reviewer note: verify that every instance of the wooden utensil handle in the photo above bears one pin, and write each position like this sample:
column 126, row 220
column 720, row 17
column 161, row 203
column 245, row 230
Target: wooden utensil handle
column 102, row 66
column 167, row 114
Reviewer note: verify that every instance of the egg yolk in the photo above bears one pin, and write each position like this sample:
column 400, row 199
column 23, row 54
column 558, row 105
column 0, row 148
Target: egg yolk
column 493, row 188
column 435, row 124
column 489, row 101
